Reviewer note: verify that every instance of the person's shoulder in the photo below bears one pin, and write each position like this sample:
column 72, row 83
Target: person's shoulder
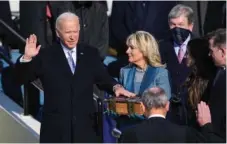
column 166, row 40
column 50, row 48
column 87, row 48
column 194, row 36
column 45, row 50
column 178, row 128
column 162, row 69
column 127, row 67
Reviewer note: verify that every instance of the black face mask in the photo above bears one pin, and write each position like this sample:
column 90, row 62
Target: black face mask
column 179, row 35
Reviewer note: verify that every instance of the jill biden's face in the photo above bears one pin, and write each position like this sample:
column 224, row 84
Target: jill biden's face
column 134, row 55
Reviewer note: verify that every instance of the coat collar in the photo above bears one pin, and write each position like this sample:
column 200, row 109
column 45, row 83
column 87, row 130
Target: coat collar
column 148, row 77
column 61, row 59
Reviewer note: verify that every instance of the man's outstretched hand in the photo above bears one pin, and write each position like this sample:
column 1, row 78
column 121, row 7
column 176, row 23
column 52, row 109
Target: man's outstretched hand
column 121, row 91
column 30, row 48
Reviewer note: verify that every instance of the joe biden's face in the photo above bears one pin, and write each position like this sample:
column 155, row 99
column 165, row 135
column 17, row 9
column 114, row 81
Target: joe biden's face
column 68, row 31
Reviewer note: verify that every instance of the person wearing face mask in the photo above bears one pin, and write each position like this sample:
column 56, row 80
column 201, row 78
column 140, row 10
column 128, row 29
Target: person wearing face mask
column 173, row 52
column 173, row 49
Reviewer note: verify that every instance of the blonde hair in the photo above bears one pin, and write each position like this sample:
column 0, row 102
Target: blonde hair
column 147, row 44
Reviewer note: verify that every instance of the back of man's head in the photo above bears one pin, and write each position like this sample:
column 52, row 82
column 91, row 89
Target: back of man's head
column 155, row 101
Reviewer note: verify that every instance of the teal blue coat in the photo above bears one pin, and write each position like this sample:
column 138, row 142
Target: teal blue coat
column 154, row 76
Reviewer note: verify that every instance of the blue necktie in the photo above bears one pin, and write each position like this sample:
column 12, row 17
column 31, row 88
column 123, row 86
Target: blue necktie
column 71, row 61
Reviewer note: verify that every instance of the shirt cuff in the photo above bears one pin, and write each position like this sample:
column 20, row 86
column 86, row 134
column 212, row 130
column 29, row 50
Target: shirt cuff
column 207, row 128
column 22, row 60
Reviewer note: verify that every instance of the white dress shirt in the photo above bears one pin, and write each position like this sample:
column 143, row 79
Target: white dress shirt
column 177, row 47
column 156, row 115
column 66, row 50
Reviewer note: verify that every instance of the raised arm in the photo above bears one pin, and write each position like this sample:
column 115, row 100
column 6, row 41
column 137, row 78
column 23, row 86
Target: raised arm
column 28, row 66
column 204, row 119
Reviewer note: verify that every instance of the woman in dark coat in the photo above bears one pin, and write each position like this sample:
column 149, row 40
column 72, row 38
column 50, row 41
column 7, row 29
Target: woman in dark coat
column 200, row 79
column 197, row 85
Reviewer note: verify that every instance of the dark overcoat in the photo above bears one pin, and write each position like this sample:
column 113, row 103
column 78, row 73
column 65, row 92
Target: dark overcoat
column 69, row 109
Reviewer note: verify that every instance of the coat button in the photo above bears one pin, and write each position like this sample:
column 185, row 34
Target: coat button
column 84, row 25
column 74, row 117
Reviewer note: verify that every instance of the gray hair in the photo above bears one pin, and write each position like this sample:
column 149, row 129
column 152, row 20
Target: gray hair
column 65, row 15
column 154, row 97
column 180, row 10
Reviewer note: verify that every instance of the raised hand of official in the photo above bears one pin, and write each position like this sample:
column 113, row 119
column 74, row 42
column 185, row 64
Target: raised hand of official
column 30, row 48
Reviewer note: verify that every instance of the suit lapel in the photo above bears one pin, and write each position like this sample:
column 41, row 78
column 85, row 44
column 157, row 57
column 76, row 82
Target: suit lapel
column 172, row 51
column 129, row 84
column 148, row 78
column 62, row 61
column 79, row 61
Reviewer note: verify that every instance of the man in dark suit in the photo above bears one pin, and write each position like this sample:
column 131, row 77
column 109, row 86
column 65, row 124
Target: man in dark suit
column 35, row 19
column 217, row 100
column 156, row 129
column 128, row 17
column 67, row 71
column 173, row 49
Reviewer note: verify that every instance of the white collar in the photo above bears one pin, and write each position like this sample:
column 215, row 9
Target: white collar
column 187, row 40
column 156, row 115
column 65, row 49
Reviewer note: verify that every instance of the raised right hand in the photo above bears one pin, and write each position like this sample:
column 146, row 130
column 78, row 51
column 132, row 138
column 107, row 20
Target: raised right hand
column 203, row 114
column 30, row 48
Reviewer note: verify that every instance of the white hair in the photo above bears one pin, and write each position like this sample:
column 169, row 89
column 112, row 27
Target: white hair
column 180, row 10
column 65, row 15
column 154, row 97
